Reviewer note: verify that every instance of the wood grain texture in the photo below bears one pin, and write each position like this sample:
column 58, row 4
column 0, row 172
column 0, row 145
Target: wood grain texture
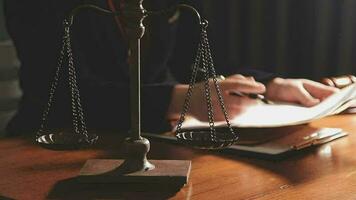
column 28, row 171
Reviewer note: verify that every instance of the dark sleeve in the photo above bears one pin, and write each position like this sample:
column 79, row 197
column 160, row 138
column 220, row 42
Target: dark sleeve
column 101, row 62
column 107, row 106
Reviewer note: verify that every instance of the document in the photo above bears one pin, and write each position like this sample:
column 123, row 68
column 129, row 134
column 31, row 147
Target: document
column 284, row 114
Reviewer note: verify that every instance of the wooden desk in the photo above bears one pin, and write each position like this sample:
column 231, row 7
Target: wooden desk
column 328, row 172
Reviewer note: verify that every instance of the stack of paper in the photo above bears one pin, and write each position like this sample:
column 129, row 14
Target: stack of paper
column 282, row 114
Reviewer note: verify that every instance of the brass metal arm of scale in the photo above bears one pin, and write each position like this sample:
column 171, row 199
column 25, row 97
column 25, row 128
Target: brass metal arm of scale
column 76, row 11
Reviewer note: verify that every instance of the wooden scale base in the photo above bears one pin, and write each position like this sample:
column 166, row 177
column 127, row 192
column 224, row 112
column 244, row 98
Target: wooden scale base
column 108, row 171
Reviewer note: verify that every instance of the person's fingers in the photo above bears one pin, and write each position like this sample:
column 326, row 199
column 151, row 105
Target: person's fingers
column 241, row 77
column 302, row 91
column 242, row 85
column 236, row 76
column 304, row 98
column 240, row 101
column 250, row 78
column 234, row 106
column 318, row 90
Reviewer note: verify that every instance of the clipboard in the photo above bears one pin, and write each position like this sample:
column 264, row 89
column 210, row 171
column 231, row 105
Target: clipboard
column 294, row 140
column 273, row 143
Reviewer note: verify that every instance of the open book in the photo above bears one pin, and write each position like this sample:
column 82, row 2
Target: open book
column 282, row 114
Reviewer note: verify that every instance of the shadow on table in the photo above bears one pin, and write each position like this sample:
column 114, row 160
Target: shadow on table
column 5, row 198
column 74, row 189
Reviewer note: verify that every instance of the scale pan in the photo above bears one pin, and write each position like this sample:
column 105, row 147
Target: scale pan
column 62, row 141
column 203, row 140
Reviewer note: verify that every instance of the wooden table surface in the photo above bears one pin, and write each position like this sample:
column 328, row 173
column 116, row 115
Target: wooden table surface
column 28, row 171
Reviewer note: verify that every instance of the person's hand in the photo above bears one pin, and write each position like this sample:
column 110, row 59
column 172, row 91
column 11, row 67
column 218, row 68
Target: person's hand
column 302, row 91
column 234, row 104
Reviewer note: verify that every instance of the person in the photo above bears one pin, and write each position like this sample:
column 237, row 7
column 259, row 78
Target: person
column 101, row 52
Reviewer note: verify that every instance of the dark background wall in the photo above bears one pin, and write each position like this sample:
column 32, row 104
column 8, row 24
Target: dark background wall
column 3, row 34
column 297, row 38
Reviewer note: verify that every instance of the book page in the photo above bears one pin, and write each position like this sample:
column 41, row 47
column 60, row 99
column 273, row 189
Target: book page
column 282, row 114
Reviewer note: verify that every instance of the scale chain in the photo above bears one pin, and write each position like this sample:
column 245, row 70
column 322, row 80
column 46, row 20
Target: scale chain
column 208, row 90
column 77, row 110
column 186, row 104
column 53, row 88
column 78, row 119
column 205, row 61
column 217, row 87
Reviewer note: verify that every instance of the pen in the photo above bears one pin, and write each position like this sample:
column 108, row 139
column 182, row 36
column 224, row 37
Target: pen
column 251, row 96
